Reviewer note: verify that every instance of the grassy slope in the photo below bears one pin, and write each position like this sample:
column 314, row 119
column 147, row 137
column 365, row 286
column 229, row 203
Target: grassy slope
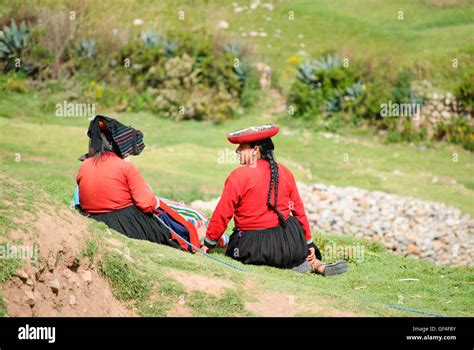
column 181, row 162
column 141, row 274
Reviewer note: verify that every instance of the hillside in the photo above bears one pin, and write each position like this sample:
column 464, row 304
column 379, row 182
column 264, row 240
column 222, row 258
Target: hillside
column 361, row 188
column 85, row 269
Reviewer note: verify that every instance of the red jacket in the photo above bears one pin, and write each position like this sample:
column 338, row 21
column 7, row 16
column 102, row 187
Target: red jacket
column 245, row 198
column 109, row 183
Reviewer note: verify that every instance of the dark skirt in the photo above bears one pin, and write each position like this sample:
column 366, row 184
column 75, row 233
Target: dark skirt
column 283, row 247
column 134, row 223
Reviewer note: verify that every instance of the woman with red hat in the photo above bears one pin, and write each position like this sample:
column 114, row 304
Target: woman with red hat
column 271, row 227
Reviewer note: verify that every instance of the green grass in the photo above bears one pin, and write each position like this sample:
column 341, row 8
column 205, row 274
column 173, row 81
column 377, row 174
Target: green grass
column 231, row 302
column 7, row 266
column 181, row 159
column 442, row 290
column 3, row 307
column 141, row 275
column 90, row 251
column 128, row 284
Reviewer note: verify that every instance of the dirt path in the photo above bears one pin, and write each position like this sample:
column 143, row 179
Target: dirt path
column 282, row 304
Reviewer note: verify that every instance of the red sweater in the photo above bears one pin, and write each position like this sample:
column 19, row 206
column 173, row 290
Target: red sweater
column 110, row 183
column 245, row 198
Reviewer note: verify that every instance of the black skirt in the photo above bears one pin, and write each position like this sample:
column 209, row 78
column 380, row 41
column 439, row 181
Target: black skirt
column 283, row 247
column 134, row 223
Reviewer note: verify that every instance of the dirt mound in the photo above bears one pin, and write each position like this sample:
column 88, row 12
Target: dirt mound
column 57, row 282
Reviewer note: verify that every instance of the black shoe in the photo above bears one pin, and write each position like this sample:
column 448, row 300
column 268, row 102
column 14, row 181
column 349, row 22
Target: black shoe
column 335, row 268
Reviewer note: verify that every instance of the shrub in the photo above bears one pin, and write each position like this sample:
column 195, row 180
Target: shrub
column 13, row 41
column 465, row 92
column 323, row 89
column 13, row 82
column 183, row 96
column 460, row 131
column 86, row 48
column 188, row 76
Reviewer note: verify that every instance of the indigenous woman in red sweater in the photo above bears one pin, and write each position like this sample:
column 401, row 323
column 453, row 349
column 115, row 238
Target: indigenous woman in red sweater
column 271, row 227
column 111, row 189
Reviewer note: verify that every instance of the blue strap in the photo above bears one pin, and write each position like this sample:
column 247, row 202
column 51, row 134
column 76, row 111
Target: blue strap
column 199, row 249
column 406, row 309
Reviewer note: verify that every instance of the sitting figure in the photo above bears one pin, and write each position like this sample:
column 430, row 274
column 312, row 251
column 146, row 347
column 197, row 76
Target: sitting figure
column 111, row 190
column 271, row 227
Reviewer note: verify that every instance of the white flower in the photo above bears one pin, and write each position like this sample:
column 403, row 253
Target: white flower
column 268, row 5
column 137, row 22
column 223, row 25
column 254, row 4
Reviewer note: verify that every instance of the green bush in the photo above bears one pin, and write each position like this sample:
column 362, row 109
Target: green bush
column 14, row 82
column 13, row 42
column 327, row 93
column 185, row 76
column 460, row 131
column 406, row 133
column 181, row 75
column 465, row 92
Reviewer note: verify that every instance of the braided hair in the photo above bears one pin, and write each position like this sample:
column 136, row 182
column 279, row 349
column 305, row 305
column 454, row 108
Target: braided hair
column 266, row 150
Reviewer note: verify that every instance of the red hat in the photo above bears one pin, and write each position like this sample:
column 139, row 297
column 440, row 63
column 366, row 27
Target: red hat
column 253, row 134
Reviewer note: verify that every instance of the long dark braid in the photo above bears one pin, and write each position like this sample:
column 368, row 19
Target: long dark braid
column 266, row 150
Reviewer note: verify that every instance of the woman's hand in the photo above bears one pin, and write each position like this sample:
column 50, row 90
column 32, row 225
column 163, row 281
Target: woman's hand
column 312, row 254
column 205, row 249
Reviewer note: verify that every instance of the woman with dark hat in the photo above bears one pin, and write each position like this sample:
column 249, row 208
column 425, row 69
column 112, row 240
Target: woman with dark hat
column 271, row 227
column 111, row 190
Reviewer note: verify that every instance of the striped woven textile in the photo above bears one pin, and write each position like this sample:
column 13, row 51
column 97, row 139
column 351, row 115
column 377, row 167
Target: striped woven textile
column 196, row 217
column 128, row 139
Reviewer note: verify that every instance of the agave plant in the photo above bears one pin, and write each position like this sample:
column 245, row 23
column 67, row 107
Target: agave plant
column 151, row 39
column 306, row 72
column 87, row 48
column 170, row 47
column 327, row 63
column 13, row 40
column 334, row 104
column 354, row 91
column 242, row 71
column 234, row 49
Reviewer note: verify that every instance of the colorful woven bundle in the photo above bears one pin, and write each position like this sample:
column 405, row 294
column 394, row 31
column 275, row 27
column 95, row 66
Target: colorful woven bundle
column 196, row 217
column 128, row 139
